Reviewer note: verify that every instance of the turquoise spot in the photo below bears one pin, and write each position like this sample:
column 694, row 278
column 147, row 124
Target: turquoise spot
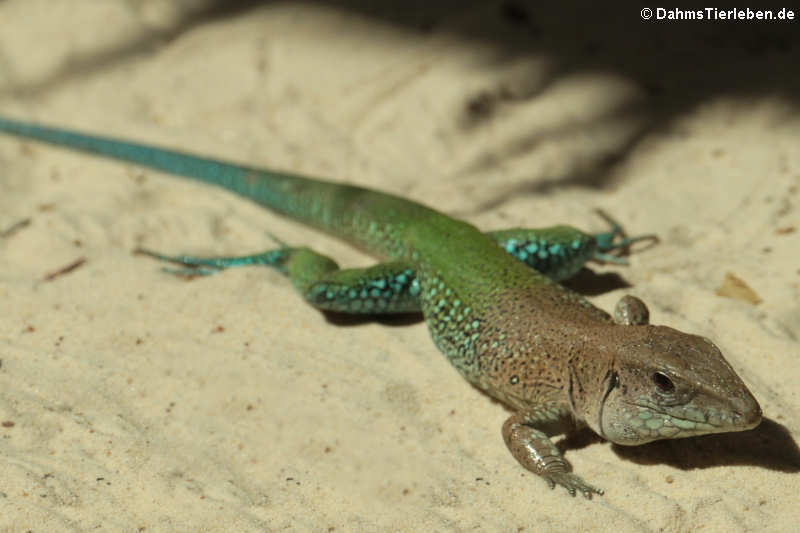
column 653, row 423
column 522, row 255
column 476, row 324
column 576, row 244
column 532, row 248
column 684, row 424
column 555, row 249
column 511, row 245
column 414, row 289
column 542, row 254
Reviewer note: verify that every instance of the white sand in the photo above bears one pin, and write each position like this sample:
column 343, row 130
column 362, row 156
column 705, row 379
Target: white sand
column 134, row 401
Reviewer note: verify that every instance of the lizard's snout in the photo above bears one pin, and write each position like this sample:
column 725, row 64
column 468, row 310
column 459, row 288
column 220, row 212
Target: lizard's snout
column 747, row 412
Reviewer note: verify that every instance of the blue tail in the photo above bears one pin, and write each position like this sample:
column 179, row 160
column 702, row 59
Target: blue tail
column 318, row 203
column 227, row 175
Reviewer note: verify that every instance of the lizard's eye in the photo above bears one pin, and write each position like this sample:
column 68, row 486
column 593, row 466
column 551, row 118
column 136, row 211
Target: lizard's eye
column 663, row 382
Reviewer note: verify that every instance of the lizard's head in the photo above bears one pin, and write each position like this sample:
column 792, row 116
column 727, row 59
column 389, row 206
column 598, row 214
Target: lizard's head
column 666, row 384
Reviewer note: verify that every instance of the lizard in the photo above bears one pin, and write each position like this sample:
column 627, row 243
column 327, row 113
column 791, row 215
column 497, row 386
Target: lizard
column 492, row 302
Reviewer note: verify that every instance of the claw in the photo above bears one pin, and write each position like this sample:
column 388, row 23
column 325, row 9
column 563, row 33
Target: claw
column 193, row 267
column 572, row 483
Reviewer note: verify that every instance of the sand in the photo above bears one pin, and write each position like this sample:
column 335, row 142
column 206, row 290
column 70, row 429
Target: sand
column 131, row 400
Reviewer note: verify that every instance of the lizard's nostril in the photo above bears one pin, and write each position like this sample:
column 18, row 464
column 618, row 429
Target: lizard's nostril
column 747, row 411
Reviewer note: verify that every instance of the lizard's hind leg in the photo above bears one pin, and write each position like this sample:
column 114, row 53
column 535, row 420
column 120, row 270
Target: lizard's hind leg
column 380, row 289
column 559, row 252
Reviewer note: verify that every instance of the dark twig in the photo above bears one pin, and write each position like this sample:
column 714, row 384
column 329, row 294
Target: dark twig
column 65, row 269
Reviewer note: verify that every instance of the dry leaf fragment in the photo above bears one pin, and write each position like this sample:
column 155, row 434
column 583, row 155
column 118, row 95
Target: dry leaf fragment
column 734, row 287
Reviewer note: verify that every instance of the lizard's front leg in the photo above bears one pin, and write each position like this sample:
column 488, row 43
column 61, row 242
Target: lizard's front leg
column 534, row 450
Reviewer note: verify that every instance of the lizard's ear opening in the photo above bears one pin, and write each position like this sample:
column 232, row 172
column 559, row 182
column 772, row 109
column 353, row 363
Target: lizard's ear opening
column 613, row 416
column 610, row 382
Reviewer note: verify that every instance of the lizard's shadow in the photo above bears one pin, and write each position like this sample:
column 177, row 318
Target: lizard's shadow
column 347, row 320
column 589, row 283
column 770, row 445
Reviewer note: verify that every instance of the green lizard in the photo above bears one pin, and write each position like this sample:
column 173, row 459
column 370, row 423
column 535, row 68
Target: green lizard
column 509, row 329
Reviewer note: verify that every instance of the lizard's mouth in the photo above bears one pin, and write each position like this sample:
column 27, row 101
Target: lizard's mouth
column 652, row 422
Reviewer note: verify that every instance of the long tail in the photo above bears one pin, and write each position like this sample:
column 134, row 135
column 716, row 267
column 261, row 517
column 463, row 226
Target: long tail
column 314, row 202
column 256, row 184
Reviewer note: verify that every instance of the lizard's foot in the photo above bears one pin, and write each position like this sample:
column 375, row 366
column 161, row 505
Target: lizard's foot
column 608, row 241
column 572, row 483
column 205, row 266
column 193, row 266
column 535, row 451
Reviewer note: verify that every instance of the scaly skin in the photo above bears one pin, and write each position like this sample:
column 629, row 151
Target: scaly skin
column 511, row 331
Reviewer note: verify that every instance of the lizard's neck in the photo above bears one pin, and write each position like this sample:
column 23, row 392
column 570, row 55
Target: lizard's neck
column 524, row 344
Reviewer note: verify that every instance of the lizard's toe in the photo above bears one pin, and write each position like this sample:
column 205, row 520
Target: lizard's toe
column 572, row 483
